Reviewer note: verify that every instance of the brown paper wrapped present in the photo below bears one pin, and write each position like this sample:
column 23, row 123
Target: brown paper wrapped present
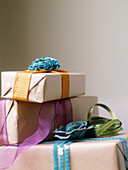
column 23, row 117
column 101, row 155
column 44, row 86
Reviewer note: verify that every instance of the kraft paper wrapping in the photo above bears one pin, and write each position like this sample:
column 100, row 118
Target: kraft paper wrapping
column 103, row 155
column 44, row 86
column 23, row 117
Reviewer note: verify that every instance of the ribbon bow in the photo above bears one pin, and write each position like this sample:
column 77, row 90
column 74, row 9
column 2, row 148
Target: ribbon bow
column 103, row 126
column 94, row 127
column 43, row 65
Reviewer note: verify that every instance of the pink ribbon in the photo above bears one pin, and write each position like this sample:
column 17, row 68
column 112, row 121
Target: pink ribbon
column 49, row 111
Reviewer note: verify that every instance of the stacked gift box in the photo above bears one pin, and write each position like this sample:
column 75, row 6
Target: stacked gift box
column 57, row 97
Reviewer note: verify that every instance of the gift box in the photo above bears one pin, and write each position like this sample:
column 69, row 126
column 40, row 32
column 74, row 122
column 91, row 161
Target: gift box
column 22, row 118
column 94, row 155
column 44, row 86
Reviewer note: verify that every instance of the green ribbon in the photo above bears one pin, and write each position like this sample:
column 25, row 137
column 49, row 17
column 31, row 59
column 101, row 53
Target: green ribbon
column 103, row 126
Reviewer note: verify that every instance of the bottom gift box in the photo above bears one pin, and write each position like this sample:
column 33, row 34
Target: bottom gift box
column 108, row 154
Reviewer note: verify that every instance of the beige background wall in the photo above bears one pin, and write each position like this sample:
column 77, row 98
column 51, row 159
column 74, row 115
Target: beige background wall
column 89, row 36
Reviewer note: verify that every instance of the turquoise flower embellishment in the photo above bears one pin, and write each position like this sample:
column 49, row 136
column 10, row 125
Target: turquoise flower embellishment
column 45, row 63
column 73, row 130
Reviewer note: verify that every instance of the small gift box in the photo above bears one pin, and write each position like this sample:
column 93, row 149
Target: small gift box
column 43, row 86
column 43, row 81
column 108, row 154
column 22, row 118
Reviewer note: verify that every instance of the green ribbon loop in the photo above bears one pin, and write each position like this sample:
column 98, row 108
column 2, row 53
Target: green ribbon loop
column 103, row 126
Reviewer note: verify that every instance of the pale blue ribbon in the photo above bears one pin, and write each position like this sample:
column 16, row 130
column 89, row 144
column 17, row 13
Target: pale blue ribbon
column 61, row 148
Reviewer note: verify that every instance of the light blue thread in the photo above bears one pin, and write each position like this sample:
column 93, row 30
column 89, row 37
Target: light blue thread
column 55, row 158
column 67, row 143
column 61, row 155
column 66, row 155
column 58, row 150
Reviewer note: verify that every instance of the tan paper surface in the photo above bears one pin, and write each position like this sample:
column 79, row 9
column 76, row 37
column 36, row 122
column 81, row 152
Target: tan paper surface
column 23, row 117
column 44, row 86
column 103, row 155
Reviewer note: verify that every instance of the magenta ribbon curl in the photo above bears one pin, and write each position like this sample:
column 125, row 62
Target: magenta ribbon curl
column 61, row 112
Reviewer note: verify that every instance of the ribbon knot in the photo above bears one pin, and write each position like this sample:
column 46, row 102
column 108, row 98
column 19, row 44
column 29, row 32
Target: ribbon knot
column 103, row 126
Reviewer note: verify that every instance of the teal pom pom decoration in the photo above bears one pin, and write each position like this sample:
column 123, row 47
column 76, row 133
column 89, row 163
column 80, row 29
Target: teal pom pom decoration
column 45, row 63
column 73, row 130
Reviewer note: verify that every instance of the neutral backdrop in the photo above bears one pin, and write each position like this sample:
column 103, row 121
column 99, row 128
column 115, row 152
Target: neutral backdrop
column 89, row 36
